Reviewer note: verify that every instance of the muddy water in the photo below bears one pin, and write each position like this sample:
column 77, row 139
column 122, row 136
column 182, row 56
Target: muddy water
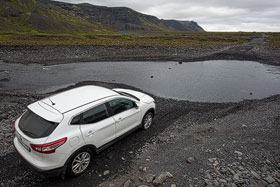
column 207, row 81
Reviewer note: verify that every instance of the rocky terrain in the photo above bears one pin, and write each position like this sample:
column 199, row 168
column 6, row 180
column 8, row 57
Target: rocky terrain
column 238, row 146
column 189, row 144
column 256, row 50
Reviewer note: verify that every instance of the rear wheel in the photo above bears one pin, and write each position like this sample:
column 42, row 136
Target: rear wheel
column 79, row 163
column 147, row 120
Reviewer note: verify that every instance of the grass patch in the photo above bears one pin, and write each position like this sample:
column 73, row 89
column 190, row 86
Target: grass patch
column 274, row 40
column 164, row 39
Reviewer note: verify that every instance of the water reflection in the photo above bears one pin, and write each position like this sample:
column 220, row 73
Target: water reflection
column 207, row 81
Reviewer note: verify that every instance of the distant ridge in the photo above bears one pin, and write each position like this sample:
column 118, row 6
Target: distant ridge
column 54, row 16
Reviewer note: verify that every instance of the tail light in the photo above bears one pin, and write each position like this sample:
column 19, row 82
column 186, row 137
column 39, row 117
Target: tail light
column 49, row 147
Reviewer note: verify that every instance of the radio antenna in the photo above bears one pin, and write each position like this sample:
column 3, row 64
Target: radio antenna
column 51, row 101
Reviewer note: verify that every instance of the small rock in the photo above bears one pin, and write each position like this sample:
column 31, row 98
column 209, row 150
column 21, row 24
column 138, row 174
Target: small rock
column 240, row 168
column 235, row 177
column 173, row 185
column 201, row 170
column 216, row 163
column 231, row 171
column 161, row 178
column 255, row 175
column 216, row 183
column 143, row 185
column 144, row 169
column 110, row 157
column 208, row 176
column 223, row 181
column 212, row 159
column 150, row 178
column 267, row 161
column 278, row 175
column 152, row 76
column 5, row 80
column 180, row 62
column 190, row 160
column 3, row 117
column 259, row 183
column 128, row 183
column 273, row 185
column 269, row 179
column 207, row 182
column 238, row 153
column 123, row 159
column 106, row 172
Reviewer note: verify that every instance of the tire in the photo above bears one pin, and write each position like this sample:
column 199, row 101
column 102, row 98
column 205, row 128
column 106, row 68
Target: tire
column 147, row 120
column 79, row 162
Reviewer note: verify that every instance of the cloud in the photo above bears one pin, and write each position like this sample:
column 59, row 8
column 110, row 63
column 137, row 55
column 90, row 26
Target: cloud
column 212, row 15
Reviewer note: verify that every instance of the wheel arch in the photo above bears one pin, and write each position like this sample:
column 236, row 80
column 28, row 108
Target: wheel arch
column 152, row 110
column 92, row 148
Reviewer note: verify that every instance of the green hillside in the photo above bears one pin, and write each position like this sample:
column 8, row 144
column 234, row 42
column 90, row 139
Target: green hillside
column 43, row 16
column 57, row 17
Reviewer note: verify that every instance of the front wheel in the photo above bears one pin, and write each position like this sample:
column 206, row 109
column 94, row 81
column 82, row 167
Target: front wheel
column 147, row 120
column 79, row 162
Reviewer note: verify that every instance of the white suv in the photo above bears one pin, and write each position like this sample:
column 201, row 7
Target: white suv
column 62, row 132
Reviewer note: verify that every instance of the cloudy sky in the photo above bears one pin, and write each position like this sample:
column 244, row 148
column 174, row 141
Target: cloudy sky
column 212, row 15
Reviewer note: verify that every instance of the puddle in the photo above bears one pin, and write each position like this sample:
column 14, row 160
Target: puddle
column 207, row 81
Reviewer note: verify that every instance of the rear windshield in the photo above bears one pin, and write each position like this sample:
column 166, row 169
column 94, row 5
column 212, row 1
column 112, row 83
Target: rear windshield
column 34, row 126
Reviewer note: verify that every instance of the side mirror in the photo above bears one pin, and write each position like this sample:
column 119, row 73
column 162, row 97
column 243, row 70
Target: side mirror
column 135, row 105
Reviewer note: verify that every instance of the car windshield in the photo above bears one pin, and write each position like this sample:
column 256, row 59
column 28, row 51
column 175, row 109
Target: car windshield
column 34, row 126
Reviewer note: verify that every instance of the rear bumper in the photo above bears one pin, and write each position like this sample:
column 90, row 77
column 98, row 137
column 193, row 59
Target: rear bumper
column 46, row 173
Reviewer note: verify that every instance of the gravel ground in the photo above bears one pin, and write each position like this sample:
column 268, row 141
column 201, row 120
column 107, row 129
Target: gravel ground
column 189, row 144
column 238, row 146
column 116, row 159
column 199, row 144
column 256, row 50
column 67, row 54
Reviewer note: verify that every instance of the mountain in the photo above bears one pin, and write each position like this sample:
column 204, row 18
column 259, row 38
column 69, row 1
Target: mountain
column 54, row 16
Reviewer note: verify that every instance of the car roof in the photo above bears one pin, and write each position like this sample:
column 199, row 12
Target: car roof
column 74, row 98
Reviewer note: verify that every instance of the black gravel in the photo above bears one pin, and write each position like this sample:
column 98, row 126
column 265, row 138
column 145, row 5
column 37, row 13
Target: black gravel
column 181, row 129
column 15, row 173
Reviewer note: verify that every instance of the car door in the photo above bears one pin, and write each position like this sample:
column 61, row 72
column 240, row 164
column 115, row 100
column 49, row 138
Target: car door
column 97, row 127
column 126, row 115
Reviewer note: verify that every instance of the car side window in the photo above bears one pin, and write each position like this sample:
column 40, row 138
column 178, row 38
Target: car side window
column 95, row 114
column 76, row 120
column 120, row 105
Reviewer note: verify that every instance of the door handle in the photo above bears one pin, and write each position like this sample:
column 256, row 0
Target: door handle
column 119, row 120
column 90, row 133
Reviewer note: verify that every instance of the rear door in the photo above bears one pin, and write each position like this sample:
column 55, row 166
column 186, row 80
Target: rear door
column 96, row 125
column 126, row 115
